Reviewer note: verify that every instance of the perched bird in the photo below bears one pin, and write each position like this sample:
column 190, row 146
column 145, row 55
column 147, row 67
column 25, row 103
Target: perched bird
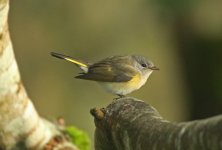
column 119, row 75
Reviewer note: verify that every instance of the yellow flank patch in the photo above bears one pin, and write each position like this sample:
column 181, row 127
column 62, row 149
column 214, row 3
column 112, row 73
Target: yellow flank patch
column 76, row 62
column 123, row 88
column 134, row 82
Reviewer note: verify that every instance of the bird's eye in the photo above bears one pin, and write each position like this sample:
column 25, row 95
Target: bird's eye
column 144, row 65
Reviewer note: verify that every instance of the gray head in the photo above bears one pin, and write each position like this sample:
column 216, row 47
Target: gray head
column 144, row 65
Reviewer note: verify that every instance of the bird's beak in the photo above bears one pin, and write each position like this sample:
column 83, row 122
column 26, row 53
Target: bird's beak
column 153, row 68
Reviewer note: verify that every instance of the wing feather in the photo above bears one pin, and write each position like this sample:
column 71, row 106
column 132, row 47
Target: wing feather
column 107, row 71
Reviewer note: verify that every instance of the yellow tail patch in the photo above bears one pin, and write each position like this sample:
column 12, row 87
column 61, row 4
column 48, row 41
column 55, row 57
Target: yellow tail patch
column 76, row 62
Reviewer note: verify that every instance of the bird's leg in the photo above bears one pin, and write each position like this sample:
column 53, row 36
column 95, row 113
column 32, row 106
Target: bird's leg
column 120, row 96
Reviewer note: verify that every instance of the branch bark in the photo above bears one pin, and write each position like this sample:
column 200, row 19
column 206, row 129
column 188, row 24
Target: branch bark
column 20, row 125
column 131, row 124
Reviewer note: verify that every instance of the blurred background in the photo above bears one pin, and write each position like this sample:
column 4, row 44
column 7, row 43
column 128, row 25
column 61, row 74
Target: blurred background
column 183, row 38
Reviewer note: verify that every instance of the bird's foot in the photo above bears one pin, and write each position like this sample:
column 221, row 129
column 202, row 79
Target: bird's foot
column 120, row 96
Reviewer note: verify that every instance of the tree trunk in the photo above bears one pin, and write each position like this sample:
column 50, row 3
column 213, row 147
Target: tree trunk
column 20, row 125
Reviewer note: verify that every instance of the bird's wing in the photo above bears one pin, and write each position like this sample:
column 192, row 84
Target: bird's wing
column 106, row 71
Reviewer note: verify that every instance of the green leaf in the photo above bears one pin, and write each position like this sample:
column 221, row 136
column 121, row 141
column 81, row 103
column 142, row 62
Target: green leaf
column 78, row 137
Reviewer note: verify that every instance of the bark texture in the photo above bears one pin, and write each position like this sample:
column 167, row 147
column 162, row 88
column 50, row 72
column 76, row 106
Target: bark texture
column 131, row 124
column 20, row 125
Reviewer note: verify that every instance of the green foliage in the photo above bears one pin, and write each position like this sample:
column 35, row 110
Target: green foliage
column 78, row 137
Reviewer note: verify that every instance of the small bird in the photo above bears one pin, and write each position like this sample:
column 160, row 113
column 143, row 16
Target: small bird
column 118, row 75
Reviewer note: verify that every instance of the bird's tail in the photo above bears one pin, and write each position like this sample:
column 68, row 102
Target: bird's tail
column 83, row 65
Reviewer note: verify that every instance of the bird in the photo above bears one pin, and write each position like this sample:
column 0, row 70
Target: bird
column 119, row 75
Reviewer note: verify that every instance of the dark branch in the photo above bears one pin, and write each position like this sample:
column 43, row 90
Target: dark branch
column 131, row 124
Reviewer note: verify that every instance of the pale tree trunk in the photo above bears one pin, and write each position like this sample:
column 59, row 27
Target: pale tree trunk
column 20, row 125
